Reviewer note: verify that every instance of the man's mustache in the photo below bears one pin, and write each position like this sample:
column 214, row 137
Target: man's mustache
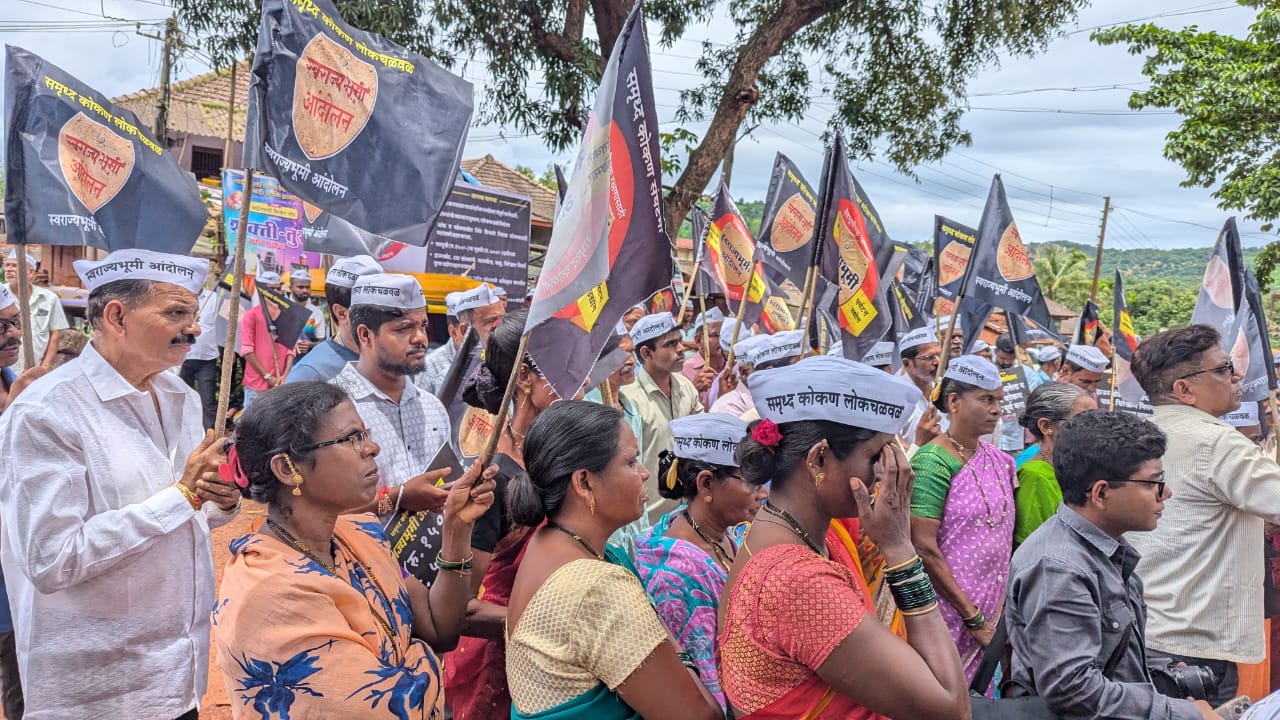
column 12, row 344
column 183, row 340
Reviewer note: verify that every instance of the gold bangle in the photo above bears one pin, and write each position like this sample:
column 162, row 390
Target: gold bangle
column 189, row 495
column 922, row 611
column 901, row 566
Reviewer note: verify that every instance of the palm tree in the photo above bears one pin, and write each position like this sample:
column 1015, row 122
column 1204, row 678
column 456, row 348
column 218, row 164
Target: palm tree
column 1062, row 273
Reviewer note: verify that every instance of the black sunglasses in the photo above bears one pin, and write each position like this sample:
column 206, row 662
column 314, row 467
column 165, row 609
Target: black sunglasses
column 1226, row 369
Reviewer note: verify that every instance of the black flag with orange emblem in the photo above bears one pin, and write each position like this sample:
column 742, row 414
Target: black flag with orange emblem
column 609, row 249
column 82, row 171
column 1000, row 273
column 353, row 123
column 852, row 247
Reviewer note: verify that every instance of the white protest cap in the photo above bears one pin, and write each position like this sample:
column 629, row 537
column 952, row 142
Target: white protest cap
column 652, row 326
column 881, row 354
column 918, row 337
column 1048, row 354
column 31, row 259
column 714, row 315
column 134, row 264
column 836, row 349
column 267, row 277
column 300, row 275
column 451, row 303
column 726, row 332
column 477, row 297
column 981, row 346
column 1088, row 358
column 621, row 329
column 6, row 298
column 945, row 322
column 1247, row 414
column 708, row 437
column 780, row 346
column 346, row 271
column 834, row 389
column 745, row 350
column 974, row 370
column 498, row 291
column 395, row 291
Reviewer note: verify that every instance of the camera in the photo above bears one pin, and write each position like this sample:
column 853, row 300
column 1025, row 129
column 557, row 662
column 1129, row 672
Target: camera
column 1182, row 681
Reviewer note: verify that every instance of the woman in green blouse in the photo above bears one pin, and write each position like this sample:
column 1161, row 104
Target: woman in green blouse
column 1038, row 494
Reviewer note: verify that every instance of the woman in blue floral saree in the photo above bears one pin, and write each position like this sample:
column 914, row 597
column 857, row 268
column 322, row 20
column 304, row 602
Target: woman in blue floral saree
column 314, row 617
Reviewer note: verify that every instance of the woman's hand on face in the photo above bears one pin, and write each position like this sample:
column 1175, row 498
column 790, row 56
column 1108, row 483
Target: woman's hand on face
column 887, row 516
column 472, row 495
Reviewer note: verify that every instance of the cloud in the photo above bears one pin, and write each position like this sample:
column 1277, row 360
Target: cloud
column 1056, row 166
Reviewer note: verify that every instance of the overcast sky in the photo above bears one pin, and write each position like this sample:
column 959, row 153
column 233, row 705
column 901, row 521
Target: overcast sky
column 1057, row 166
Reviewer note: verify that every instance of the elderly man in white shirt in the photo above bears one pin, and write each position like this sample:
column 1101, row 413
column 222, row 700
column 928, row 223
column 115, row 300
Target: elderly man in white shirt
column 108, row 493
column 389, row 320
column 1203, row 564
column 480, row 307
column 47, row 316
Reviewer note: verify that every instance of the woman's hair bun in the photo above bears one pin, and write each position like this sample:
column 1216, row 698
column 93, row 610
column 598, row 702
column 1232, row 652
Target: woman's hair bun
column 483, row 390
column 524, row 503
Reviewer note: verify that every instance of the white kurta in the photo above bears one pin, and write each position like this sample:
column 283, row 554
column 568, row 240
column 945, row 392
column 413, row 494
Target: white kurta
column 109, row 570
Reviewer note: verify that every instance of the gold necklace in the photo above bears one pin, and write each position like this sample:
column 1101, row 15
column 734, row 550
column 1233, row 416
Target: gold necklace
column 1004, row 509
column 721, row 556
column 301, row 547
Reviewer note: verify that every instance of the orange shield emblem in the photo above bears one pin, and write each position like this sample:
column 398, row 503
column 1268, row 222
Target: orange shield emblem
column 333, row 96
column 1011, row 256
column 96, row 162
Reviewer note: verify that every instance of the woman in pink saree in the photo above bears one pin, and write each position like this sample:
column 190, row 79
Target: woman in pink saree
column 962, row 508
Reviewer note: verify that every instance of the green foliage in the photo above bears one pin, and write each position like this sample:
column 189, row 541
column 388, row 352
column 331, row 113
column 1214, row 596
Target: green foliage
column 1157, row 305
column 1227, row 90
column 892, row 73
column 1064, row 273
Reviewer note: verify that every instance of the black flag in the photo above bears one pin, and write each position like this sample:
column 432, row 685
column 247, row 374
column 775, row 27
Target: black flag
column 952, row 248
column 609, row 249
column 786, row 229
column 353, row 123
column 81, row 171
column 852, row 247
column 285, row 318
column 1001, row 273
column 1088, row 326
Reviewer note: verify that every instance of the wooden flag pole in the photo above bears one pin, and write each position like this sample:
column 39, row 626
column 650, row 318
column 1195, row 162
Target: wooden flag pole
column 706, row 333
column 811, row 308
column 805, row 300
column 24, row 305
column 1111, row 403
column 233, row 313
column 606, row 393
column 945, row 352
column 688, row 289
column 501, row 419
column 737, row 326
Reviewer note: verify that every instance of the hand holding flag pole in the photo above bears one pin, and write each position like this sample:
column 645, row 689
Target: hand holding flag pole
column 233, row 312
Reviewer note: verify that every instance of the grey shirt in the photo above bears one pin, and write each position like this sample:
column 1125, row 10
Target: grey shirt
column 1072, row 594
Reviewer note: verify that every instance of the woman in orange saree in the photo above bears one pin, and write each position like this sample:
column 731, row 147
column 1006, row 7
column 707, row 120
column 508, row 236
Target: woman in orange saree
column 793, row 642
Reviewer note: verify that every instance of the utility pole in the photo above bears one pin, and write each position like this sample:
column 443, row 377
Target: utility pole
column 166, row 70
column 1097, row 260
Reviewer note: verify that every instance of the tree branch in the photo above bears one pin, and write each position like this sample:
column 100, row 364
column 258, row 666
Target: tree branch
column 563, row 45
column 740, row 93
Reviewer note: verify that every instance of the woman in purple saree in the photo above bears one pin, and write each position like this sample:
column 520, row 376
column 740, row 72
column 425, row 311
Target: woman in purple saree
column 962, row 508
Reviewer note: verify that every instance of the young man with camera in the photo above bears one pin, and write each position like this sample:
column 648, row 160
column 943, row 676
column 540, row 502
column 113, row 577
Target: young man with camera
column 1075, row 613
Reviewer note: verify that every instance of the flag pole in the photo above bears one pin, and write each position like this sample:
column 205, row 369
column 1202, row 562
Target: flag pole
column 491, row 446
column 706, row 334
column 805, row 300
column 233, row 313
column 688, row 289
column 945, row 352
column 1111, row 403
column 606, row 393
column 24, row 304
column 737, row 326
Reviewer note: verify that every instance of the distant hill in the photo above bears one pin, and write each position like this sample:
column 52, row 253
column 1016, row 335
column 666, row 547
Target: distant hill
column 1181, row 266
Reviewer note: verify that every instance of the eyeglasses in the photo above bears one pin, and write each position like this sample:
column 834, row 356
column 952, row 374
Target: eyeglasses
column 6, row 325
column 357, row 438
column 1158, row 483
column 927, row 358
column 1226, row 369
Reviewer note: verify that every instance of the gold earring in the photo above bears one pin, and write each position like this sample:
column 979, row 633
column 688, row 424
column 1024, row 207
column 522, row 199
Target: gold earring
column 708, row 499
column 591, row 504
column 297, row 476
column 822, row 477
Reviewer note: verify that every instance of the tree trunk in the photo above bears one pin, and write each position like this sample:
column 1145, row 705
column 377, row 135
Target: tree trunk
column 740, row 94
column 610, row 16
